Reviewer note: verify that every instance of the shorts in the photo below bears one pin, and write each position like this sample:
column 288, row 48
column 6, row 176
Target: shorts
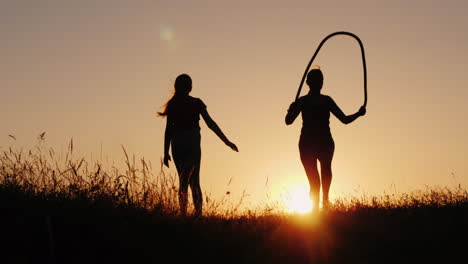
column 316, row 147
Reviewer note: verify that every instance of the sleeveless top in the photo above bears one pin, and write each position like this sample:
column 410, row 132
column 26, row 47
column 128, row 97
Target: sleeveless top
column 315, row 111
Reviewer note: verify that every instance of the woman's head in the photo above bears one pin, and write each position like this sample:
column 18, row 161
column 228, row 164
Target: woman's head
column 315, row 80
column 182, row 87
column 183, row 84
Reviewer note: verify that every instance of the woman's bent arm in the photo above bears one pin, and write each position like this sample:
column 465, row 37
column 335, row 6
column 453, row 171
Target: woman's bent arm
column 292, row 114
column 345, row 119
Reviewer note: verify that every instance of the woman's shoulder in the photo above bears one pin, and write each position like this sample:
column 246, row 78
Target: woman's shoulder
column 308, row 97
column 326, row 98
column 197, row 101
column 302, row 99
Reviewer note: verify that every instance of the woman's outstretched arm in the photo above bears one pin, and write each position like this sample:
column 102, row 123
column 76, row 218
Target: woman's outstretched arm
column 167, row 140
column 345, row 119
column 293, row 112
column 213, row 126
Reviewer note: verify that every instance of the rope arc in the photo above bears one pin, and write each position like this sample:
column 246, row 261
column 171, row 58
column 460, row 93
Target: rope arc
column 317, row 51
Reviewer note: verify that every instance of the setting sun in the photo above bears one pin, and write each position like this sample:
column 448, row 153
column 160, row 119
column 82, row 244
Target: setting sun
column 297, row 199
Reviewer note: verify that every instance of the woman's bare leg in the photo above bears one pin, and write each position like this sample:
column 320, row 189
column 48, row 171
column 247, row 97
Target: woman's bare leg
column 183, row 190
column 196, row 190
column 326, row 173
column 310, row 166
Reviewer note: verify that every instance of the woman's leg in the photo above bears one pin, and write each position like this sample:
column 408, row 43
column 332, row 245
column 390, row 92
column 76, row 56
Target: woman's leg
column 326, row 173
column 310, row 165
column 325, row 159
column 184, row 175
column 196, row 190
column 190, row 175
column 194, row 180
column 186, row 152
column 181, row 154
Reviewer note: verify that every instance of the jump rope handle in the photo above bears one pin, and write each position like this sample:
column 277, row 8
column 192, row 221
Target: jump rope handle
column 317, row 51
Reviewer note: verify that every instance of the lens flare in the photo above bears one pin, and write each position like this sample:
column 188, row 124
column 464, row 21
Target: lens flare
column 297, row 199
column 166, row 33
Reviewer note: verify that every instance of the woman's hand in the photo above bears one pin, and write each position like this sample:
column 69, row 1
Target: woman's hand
column 362, row 111
column 232, row 146
column 294, row 107
column 167, row 158
column 293, row 112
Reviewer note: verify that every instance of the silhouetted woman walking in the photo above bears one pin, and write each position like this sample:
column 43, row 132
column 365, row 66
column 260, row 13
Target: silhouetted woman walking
column 316, row 142
column 183, row 136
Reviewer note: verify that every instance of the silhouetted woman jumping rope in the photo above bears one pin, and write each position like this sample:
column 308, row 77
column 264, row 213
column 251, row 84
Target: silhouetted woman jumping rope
column 182, row 134
column 316, row 142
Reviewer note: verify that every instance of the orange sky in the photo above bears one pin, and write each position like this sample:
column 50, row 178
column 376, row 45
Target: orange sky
column 97, row 72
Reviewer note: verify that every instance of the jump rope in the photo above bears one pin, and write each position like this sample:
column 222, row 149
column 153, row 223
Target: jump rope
column 317, row 51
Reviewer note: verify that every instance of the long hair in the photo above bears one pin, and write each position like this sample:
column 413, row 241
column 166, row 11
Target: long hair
column 182, row 86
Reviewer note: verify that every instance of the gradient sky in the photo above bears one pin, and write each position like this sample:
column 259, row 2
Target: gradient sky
column 98, row 71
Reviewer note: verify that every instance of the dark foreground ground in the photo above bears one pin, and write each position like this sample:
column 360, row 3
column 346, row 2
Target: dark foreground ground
column 38, row 230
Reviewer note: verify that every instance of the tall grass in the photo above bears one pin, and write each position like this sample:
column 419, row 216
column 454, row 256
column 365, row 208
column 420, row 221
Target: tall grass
column 430, row 197
column 41, row 172
column 61, row 206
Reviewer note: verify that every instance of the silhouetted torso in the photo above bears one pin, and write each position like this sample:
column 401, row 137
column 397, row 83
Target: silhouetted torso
column 315, row 111
column 184, row 112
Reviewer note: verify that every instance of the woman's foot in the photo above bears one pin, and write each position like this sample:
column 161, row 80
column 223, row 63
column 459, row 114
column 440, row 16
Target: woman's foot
column 315, row 207
column 197, row 214
column 325, row 205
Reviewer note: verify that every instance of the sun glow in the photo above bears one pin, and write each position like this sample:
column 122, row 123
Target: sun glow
column 297, row 199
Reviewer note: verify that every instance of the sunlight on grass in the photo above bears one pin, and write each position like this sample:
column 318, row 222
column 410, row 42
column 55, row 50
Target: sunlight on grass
column 44, row 174
column 297, row 199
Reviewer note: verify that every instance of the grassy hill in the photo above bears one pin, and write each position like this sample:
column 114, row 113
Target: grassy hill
column 60, row 209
